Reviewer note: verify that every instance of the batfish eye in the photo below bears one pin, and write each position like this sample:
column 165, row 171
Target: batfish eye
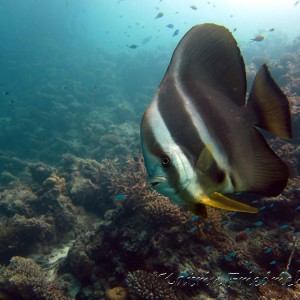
column 165, row 161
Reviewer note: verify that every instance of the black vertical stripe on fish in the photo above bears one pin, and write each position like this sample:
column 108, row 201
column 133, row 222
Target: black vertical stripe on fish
column 178, row 120
column 207, row 106
column 155, row 147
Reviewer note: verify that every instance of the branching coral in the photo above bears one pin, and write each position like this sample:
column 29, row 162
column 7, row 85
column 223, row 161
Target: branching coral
column 25, row 279
column 130, row 182
column 149, row 286
column 162, row 212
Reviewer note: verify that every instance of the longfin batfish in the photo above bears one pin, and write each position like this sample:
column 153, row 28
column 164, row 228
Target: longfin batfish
column 200, row 136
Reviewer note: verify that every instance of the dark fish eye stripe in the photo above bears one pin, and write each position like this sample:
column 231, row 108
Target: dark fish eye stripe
column 178, row 120
column 156, row 149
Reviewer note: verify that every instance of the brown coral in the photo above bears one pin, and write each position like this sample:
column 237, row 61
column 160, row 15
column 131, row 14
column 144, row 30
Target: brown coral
column 272, row 291
column 117, row 293
column 162, row 211
column 149, row 286
column 27, row 280
column 130, row 182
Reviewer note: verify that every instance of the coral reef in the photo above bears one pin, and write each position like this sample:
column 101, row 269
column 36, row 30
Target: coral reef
column 117, row 293
column 149, row 286
column 184, row 250
column 79, row 221
column 26, row 280
column 161, row 211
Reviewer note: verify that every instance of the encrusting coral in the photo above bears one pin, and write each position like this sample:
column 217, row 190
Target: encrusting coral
column 117, row 293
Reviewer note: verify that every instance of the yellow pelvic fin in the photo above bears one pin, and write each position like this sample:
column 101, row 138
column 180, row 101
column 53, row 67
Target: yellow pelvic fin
column 198, row 209
column 218, row 200
column 205, row 160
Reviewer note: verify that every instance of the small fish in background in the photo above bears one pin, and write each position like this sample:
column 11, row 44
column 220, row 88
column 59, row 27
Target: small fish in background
column 194, row 7
column 258, row 223
column 268, row 250
column 271, row 29
column 147, row 39
column 284, row 226
column 200, row 126
column 296, row 3
column 257, row 38
column 133, row 46
column 262, row 208
column 120, row 197
column 159, row 15
column 234, row 29
column 170, row 26
column 6, row 93
column 176, row 32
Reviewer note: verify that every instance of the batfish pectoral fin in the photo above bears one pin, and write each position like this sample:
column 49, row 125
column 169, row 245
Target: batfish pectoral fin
column 218, row 200
column 198, row 209
column 205, row 160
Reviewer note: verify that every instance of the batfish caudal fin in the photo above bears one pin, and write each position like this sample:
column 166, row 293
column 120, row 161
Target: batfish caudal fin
column 270, row 105
column 220, row 201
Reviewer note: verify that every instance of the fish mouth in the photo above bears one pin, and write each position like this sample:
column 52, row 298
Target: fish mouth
column 157, row 180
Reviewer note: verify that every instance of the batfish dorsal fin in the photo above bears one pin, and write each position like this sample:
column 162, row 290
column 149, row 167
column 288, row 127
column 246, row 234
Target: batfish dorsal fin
column 205, row 160
column 209, row 54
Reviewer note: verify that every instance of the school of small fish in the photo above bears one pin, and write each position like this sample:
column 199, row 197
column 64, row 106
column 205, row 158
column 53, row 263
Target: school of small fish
column 160, row 16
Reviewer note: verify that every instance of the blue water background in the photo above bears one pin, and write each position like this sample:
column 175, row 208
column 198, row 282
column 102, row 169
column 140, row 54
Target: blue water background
column 68, row 67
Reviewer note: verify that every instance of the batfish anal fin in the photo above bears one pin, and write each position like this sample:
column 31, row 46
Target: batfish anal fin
column 209, row 53
column 205, row 160
column 220, row 201
column 198, row 209
column 268, row 173
column 270, row 105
